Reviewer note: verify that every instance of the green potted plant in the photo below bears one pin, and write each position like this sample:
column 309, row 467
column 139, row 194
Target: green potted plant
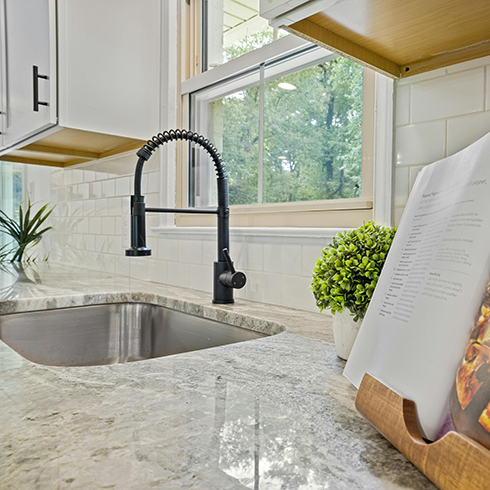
column 345, row 276
column 26, row 233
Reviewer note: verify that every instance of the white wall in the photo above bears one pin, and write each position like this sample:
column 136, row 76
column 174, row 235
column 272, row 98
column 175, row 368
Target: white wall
column 438, row 114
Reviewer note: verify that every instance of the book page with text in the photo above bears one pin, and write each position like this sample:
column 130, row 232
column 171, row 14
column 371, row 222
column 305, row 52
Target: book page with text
column 420, row 317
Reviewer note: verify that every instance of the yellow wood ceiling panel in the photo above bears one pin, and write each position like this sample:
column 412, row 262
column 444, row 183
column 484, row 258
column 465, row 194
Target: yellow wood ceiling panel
column 417, row 34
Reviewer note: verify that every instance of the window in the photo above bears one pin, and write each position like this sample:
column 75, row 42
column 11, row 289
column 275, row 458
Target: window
column 10, row 192
column 290, row 131
column 294, row 124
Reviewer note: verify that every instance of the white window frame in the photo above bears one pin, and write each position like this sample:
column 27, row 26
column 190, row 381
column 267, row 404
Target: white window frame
column 312, row 214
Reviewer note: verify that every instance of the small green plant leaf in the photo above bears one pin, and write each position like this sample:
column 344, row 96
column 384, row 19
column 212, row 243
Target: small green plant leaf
column 347, row 273
column 26, row 233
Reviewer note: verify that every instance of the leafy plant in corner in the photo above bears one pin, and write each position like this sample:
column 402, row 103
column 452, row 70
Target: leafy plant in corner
column 26, row 233
column 347, row 272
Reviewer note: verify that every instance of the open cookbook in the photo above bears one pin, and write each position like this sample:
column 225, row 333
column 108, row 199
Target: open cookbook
column 426, row 334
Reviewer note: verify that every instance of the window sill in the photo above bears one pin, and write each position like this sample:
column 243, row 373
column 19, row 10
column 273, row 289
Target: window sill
column 335, row 213
column 266, row 232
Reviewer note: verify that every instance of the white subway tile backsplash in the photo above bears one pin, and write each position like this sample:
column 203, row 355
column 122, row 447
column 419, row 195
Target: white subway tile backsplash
column 109, row 225
column 108, row 264
column 90, row 242
column 452, row 95
column 108, row 188
column 88, row 175
column 67, row 177
column 401, row 185
column 154, row 182
column 402, row 105
column 178, row 274
column 88, row 208
column 139, row 267
column 201, row 277
column 123, row 186
column 152, row 200
column 428, row 75
column 398, row 215
column 168, row 249
column 144, row 183
column 157, row 271
column 101, row 244
column 83, row 191
column 77, row 176
column 95, row 226
column 114, row 206
column 152, row 244
column 270, row 285
column 116, row 246
column 282, row 258
column 126, row 205
column 310, row 254
column 420, row 143
column 122, row 265
column 295, row 291
column 83, row 225
column 465, row 130
column 248, row 255
column 57, row 178
column 414, row 171
column 100, row 175
column 190, row 251
column 209, row 251
column 101, row 207
column 95, row 190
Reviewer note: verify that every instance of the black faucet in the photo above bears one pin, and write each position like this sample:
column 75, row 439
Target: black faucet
column 226, row 278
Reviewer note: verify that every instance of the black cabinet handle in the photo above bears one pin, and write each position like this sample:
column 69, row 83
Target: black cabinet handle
column 35, row 79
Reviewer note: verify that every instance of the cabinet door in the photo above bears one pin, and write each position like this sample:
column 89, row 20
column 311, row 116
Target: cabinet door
column 30, row 64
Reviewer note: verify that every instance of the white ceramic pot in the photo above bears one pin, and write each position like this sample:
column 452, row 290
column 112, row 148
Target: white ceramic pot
column 345, row 331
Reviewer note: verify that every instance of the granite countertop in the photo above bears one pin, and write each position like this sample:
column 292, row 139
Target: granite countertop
column 273, row 413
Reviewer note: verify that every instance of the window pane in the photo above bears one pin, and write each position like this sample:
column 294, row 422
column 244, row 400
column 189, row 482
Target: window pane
column 234, row 129
column 10, row 193
column 241, row 144
column 234, row 28
column 313, row 133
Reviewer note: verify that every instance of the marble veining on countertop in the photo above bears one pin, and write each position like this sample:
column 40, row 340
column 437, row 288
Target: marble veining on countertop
column 267, row 414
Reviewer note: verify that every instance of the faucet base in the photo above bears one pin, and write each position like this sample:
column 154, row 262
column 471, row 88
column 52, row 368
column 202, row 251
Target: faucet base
column 222, row 295
column 223, row 302
column 138, row 252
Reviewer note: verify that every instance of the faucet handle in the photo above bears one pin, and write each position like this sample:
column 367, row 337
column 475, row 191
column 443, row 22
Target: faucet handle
column 231, row 277
column 226, row 254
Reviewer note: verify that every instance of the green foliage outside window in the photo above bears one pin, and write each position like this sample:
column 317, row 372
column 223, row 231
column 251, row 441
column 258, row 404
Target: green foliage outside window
column 312, row 135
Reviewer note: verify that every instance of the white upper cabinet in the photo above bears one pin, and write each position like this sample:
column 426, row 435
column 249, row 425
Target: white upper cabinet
column 80, row 79
column 109, row 59
column 30, row 69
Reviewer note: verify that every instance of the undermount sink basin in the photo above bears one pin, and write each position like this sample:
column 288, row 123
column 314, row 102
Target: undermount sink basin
column 112, row 334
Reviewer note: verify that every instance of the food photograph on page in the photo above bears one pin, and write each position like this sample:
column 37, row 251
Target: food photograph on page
column 470, row 398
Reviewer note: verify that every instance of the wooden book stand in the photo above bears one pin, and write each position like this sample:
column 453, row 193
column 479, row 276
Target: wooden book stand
column 455, row 462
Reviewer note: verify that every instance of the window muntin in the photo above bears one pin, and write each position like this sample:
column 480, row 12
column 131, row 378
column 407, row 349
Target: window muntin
column 232, row 28
column 283, row 145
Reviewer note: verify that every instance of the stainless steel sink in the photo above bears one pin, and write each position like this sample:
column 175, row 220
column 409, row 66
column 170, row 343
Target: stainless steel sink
column 112, row 334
